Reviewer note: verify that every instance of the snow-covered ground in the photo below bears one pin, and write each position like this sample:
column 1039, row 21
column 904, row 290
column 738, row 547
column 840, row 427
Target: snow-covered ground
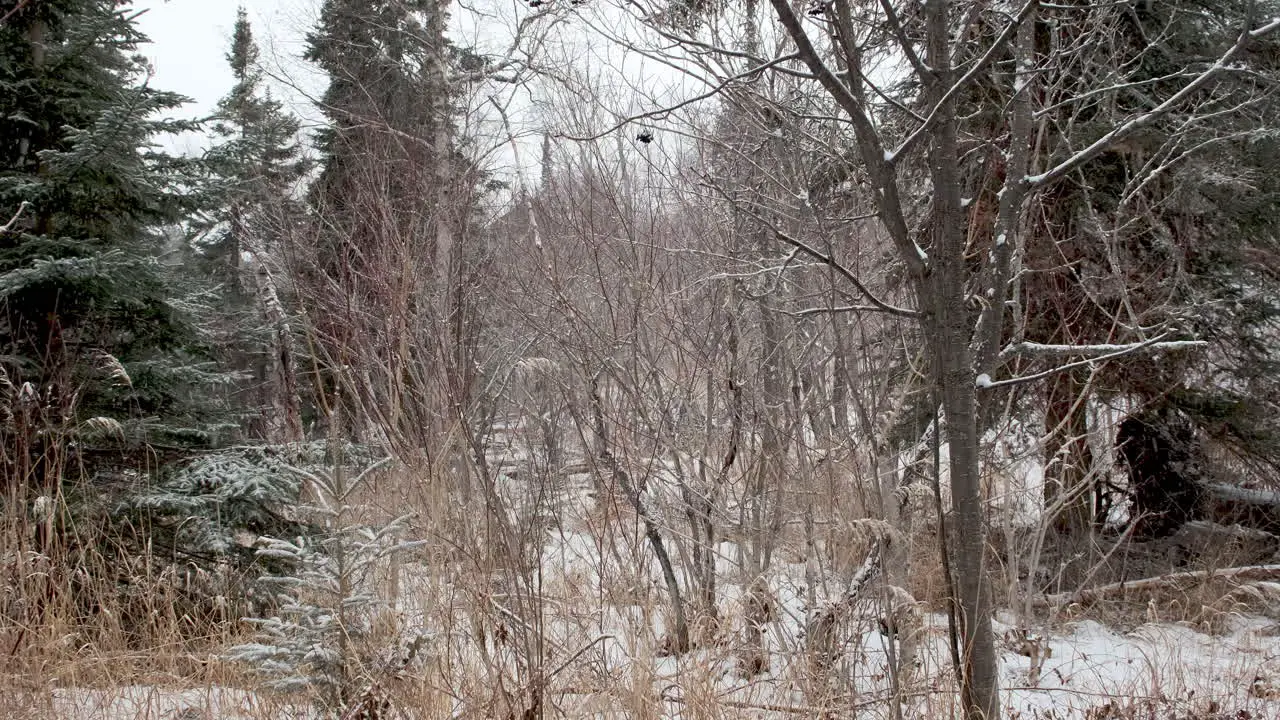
column 1158, row 671
column 586, row 600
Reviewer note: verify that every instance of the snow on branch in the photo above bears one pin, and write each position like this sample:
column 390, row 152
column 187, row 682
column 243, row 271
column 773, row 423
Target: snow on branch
column 806, row 312
column 1123, row 130
column 16, row 215
column 1092, row 354
column 1094, row 351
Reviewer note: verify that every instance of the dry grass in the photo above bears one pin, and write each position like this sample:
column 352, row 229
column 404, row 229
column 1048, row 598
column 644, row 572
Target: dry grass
column 555, row 609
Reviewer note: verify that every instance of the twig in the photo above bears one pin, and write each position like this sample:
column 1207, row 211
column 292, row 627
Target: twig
column 16, row 9
column 22, row 207
column 828, row 260
column 560, row 668
column 664, row 112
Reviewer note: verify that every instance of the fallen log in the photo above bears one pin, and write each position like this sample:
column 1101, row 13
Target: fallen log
column 1231, row 505
column 1175, row 582
column 1211, row 544
column 822, row 625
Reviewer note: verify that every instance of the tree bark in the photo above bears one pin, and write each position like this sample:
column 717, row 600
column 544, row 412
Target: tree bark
column 948, row 330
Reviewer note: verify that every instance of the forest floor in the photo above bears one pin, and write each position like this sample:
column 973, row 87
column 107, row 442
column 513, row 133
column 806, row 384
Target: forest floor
column 576, row 626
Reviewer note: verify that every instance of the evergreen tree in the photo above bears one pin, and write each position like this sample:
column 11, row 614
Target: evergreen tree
column 319, row 640
column 209, row 511
column 389, row 108
column 395, row 266
column 256, row 165
column 88, row 318
column 256, row 159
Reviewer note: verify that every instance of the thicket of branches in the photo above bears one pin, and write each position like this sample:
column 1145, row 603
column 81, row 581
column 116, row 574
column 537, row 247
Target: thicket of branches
column 814, row 297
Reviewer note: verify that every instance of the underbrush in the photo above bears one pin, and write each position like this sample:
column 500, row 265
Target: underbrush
column 538, row 597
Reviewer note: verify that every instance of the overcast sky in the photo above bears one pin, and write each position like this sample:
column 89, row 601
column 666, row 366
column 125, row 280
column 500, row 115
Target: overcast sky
column 190, row 38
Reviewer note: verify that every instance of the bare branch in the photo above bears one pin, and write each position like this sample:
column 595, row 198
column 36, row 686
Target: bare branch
column 899, row 34
column 16, row 9
column 1122, row 131
column 879, row 165
column 22, row 207
column 830, row 262
column 1111, row 352
column 665, row 111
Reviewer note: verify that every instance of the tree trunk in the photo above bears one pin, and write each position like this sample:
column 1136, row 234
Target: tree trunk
column 763, row 504
column 947, row 327
column 951, row 350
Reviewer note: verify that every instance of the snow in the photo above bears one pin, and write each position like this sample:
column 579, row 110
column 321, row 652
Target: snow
column 1158, row 669
column 148, row 701
column 984, row 381
column 1154, row 670
column 599, row 589
column 889, row 156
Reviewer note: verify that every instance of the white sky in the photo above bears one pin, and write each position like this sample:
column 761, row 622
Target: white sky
column 190, row 39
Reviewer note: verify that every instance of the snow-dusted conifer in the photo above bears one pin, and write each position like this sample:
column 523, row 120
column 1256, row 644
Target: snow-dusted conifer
column 317, row 640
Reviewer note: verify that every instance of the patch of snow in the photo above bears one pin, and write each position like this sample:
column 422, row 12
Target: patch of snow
column 147, row 701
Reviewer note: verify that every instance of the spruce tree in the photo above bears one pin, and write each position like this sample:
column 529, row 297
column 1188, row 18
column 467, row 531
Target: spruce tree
column 106, row 378
column 395, row 268
column 89, row 323
column 256, row 159
column 209, row 510
column 388, row 105
column 256, row 165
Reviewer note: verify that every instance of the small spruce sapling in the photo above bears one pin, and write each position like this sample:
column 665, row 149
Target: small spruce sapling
column 318, row 642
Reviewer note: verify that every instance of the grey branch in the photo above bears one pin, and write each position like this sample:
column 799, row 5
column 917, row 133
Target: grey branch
column 1097, row 351
column 16, row 215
